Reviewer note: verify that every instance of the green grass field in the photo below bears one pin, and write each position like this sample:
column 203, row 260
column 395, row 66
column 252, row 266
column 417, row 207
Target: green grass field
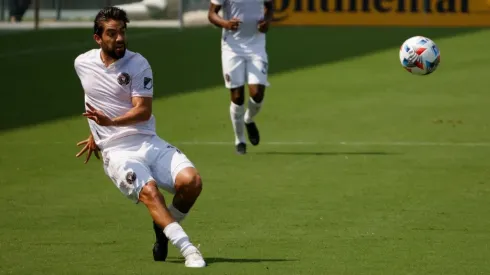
column 363, row 168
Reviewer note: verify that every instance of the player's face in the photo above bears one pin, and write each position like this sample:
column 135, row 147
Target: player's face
column 113, row 40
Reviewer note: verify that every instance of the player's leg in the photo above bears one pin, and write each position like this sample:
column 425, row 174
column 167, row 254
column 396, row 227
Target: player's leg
column 234, row 75
column 237, row 113
column 151, row 197
column 175, row 173
column 257, row 92
column 155, row 202
column 257, row 67
column 13, row 10
column 160, row 247
column 24, row 7
column 187, row 187
column 134, row 180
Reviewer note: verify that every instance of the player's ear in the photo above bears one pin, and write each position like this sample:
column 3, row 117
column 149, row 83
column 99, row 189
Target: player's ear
column 98, row 39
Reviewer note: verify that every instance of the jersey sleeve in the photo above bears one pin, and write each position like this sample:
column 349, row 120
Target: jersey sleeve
column 218, row 2
column 142, row 84
column 76, row 65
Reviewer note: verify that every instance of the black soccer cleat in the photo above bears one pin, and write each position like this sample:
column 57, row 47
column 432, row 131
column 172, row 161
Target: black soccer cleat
column 241, row 148
column 253, row 133
column 160, row 248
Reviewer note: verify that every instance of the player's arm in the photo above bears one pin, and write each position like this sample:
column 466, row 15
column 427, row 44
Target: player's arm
column 214, row 17
column 140, row 112
column 268, row 10
column 141, row 98
column 218, row 21
column 268, row 15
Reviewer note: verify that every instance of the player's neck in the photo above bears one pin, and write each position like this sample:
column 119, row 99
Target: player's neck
column 106, row 59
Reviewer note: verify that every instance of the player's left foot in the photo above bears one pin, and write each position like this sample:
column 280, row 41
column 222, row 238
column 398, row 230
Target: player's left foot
column 253, row 133
column 160, row 248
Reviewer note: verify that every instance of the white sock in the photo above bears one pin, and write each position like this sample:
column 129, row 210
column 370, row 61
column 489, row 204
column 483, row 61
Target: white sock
column 178, row 216
column 236, row 115
column 252, row 110
column 176, row 235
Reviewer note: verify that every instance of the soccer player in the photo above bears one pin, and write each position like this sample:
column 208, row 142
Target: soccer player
column 118, row 86
column 244, row 60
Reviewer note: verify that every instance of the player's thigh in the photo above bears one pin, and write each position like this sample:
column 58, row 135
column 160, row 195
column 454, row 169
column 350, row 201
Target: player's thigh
column 128, row 172
column 167, row 166
column 257, row 69
column 234, row 69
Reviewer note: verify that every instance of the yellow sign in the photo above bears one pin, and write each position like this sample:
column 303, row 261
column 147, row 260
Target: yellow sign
column 383, row 12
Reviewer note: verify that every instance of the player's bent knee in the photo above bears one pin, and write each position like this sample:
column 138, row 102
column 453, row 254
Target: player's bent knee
column 149, row 193
column 257, row 92
column 189, row 180
column 238, row 95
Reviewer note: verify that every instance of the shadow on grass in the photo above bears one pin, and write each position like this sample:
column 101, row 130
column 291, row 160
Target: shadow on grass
column 279, row 153
column 214, row 260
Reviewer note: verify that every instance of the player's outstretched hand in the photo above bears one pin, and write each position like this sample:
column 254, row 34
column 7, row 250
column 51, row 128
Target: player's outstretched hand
column 233, row 24
column 263, row 25
column 98, row 116
column 90, row 146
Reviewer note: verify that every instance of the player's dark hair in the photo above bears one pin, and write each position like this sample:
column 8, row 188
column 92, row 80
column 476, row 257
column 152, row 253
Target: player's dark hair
column 106, row 14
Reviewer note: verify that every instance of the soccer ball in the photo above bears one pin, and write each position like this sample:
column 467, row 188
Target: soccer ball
column 429, row 53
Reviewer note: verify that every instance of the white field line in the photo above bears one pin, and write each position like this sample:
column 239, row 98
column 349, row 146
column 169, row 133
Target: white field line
column 294, row 143
column 351, row 143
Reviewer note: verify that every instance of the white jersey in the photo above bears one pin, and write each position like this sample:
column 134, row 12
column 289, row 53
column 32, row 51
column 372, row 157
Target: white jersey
column 110, row 90
column 247, row 39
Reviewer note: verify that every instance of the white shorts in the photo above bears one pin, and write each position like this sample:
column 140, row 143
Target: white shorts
column 138, row 159
column 241, row 69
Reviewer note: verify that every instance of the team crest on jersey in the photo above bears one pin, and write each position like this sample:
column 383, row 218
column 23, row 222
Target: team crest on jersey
column 123, row 79
column 148, row 83
column 130, row 177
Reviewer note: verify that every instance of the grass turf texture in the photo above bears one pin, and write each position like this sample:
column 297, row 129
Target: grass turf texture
column 408, row 193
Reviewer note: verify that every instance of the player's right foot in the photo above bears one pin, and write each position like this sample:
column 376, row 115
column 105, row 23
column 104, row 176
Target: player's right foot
column 253, row 133
column 193, row 258
column 160, row 248
column 241, row 148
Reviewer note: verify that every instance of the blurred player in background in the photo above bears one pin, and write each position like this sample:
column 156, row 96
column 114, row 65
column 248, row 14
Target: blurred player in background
column 17, row 9
column 118, row 86
column 244, row 60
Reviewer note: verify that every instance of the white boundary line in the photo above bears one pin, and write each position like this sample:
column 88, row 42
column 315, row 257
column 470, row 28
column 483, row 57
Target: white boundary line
column 297, row 143
column 350, row 143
